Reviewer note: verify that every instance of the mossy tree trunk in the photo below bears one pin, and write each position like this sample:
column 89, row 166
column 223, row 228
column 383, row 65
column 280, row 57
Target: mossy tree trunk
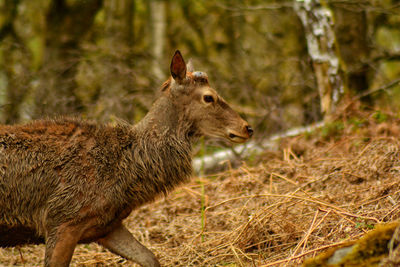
column 67, row 24
column 352, row 36
column 18, row 79
column 119, row 23
column 14, row 63
column 113, row 63
column 158, row 24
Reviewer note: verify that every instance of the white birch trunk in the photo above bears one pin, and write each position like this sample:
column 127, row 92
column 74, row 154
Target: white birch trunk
column 317, row 19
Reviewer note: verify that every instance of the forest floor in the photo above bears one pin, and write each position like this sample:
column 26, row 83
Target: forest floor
column 319, row 190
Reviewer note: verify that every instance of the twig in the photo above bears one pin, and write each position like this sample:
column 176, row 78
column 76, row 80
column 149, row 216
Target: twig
column 284, row 178
column 369, row 92
column 383, row 88
column 312, row 230
column 271, row 6
column 304, row 239
column 309, row 232
column 277, row 195
column 20, row 254
column 391, row 211
column 360, row 216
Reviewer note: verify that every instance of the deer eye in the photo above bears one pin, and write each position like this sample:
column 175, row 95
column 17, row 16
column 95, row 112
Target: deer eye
column 208, row 99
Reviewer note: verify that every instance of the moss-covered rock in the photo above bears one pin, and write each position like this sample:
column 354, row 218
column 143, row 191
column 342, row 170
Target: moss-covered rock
column 370, row 250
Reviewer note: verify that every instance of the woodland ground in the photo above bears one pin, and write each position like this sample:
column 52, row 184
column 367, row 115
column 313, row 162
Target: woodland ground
column 318, row 190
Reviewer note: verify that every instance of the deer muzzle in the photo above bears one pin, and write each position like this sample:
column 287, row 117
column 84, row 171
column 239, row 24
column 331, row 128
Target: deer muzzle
column 240, row 136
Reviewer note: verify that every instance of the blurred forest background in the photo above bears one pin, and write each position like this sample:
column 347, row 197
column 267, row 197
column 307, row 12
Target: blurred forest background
column 279, row 63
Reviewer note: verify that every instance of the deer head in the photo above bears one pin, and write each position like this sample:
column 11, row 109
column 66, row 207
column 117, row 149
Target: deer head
column 207, row 112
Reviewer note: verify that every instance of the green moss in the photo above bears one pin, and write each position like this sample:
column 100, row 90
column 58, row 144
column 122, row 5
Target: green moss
column 367, row 251
column 373, row 245
column 364, row 225
column 322, row 258
column 36, row 45
column 388, row 38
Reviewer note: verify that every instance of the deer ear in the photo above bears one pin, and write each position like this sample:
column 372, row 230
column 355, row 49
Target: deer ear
column 178, row 67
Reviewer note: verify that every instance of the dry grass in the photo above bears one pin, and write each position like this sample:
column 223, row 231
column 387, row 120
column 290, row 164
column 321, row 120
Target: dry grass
column 318, row 191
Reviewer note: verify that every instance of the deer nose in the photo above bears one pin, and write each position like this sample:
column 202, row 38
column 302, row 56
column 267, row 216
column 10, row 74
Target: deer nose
column 249, row 130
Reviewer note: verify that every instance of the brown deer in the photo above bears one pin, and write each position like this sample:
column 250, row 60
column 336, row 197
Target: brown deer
column 66, row 181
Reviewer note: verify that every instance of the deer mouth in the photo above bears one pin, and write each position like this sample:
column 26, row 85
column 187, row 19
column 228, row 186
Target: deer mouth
column 237, row 138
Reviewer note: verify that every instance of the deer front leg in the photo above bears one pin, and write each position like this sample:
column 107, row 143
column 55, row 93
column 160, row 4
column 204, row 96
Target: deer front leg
column 120, row 241
column 60, row 245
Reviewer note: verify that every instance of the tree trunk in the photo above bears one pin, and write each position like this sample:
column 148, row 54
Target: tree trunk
column 66, row 26
column 158, row 29
column 119, row 22
column 351, row 34
column 113, row 66
column 317, row 19
column 12, row 64
column 18, row 78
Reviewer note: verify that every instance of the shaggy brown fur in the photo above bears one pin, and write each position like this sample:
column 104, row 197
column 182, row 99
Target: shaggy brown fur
column 67, row 181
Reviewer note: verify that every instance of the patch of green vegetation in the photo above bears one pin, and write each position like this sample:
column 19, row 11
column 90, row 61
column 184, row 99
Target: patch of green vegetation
column 366, row 139
column 364, row 225
column 308, row 135
column 332, row 129
column 253, row 158
column 379, row 116
column 357, row 123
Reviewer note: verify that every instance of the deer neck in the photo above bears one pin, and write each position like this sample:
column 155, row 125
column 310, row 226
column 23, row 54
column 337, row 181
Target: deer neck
column 161, row 154
column 166, row 120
